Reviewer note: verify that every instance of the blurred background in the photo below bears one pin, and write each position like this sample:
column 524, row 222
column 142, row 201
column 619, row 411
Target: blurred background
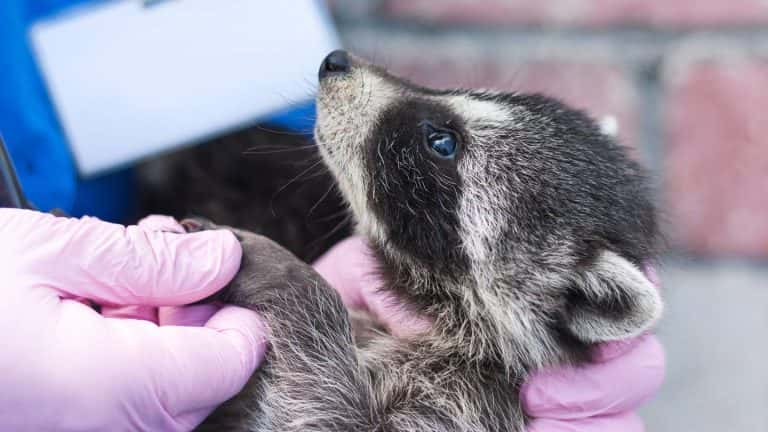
column 686, row 80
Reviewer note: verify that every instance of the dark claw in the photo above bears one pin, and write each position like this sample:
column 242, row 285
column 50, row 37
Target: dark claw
column 193, row 225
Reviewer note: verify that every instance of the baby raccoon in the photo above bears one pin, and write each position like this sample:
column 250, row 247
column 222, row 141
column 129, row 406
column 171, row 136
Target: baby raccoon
column 508, row 220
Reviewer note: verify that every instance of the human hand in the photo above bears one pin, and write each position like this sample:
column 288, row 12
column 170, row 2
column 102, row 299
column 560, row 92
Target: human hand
column 66, row 366
column 599, row 397
column 349, row 267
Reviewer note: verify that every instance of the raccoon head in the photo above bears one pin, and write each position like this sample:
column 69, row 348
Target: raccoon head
column 513, row 208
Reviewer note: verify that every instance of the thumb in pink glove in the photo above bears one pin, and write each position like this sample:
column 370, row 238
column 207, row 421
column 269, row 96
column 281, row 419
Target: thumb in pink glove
column 67, row 367
column 599, row 397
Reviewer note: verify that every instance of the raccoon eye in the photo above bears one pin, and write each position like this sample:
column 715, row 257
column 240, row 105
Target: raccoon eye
column 441, row 142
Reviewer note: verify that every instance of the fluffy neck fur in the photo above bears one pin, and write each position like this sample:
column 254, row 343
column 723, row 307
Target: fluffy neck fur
column 486, row 315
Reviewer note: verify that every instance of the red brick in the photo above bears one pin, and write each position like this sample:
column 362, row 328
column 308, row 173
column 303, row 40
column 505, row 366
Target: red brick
column 599, row 89
column 686, row 13
column 716, row 168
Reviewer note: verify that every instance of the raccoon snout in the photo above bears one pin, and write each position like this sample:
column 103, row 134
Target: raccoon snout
column 335, row 63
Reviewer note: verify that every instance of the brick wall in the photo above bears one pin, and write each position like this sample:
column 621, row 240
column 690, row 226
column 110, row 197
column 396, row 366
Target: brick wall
column 687, row 80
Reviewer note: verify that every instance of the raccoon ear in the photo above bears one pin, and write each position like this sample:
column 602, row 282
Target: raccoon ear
column 613, row 300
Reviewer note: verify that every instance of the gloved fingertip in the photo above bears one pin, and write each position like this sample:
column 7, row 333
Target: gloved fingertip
column 653, row 275
column 653, row 360
column 224, row 244
column 246, row 330
column 349, row 267
column 206, row 261
column 352, row 248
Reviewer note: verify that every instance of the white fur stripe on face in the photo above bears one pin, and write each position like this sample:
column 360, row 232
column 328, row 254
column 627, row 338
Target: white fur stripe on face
column 347, row 112
column 479, row 207
column 478, row 112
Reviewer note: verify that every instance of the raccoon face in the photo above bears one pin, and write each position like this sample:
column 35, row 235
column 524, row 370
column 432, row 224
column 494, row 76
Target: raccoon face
column 397, row 151
column 503, row 187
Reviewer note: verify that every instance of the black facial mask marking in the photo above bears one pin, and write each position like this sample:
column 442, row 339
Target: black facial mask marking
column 414, row 192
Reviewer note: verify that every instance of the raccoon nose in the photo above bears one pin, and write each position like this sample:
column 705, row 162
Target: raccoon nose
column 335, row 63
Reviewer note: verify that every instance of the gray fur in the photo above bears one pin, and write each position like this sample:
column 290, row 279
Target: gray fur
column 523, row 251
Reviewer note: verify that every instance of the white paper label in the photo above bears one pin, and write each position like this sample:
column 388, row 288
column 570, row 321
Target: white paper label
column 129, row 81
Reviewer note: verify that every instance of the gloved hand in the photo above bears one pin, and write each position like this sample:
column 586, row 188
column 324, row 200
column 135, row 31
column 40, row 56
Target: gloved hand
column 65, row 366
column 599, row 397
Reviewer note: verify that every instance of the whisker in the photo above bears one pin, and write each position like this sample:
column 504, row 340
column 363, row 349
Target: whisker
column 330, row 233
column 257, row 151
column 322, row 197
column 332, row 216
column 283, row 132
column 293, row 180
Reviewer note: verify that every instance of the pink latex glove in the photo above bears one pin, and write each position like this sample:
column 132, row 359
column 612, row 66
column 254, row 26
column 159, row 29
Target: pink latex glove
column 65, row 366
column 599, row 397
